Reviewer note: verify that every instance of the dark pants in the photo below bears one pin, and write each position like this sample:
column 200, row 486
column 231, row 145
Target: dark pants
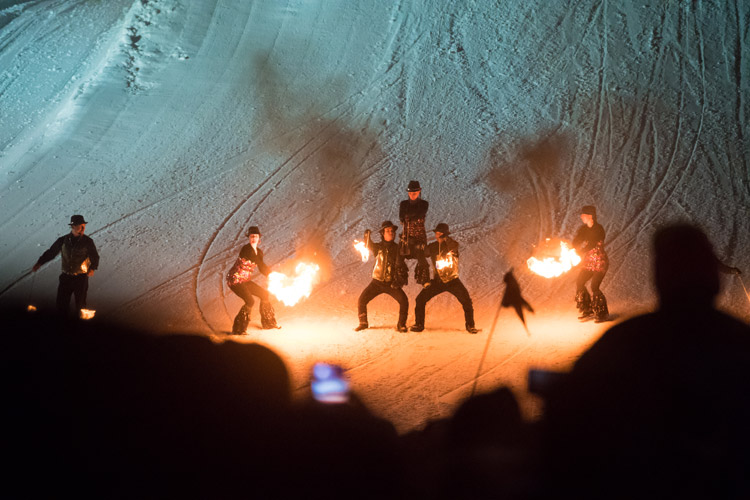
column 584, row 275
column 76, row 285
column 422, row 269
column 595, row 303
column 247, row 290
column 376, row 288
column 455, row 288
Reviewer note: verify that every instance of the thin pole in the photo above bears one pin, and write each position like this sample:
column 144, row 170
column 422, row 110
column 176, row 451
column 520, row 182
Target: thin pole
column 486, row 347
column 742, row 282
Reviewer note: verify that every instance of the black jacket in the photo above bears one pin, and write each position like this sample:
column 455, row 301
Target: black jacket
column 387, row 260
column 446, row 251
column 79, row 254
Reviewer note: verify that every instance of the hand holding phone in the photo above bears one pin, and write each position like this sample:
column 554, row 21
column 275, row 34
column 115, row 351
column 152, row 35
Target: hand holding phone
column 329, row 385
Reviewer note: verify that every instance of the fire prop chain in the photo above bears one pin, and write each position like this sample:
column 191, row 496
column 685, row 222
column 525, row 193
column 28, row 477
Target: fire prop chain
column 554, row 261
column 292, row 289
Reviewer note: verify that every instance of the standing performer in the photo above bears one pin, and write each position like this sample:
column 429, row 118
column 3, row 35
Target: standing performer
column 589, row 241
column 385, row 276
column 412, row 213
column 444, row 256
column 239, row 281
column 79, row 261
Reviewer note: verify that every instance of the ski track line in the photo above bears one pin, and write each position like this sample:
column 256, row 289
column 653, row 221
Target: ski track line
column 486, row 372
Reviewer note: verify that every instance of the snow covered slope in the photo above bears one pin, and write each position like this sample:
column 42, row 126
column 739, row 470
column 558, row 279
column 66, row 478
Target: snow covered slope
column 172, row 125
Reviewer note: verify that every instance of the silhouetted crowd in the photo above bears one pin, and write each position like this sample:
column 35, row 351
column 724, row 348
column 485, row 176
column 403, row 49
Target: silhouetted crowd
column 658, row 407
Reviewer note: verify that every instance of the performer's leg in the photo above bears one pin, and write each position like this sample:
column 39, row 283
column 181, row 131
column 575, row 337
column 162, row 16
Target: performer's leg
column 598, row 300
column 243, row 316
column 64, row 291
column 80, row 291
column 422, row 269
column 267, row 314
column 583, row 299
column 370, row 292
column 403, row 306
column 457, row 288
column 421, row 302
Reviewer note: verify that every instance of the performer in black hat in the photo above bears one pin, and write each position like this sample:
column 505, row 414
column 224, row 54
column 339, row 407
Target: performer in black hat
column 444, row 256
column 412, row 213
column 385, row 276
column 79, row 261
column 239, row 280
column 589, row 243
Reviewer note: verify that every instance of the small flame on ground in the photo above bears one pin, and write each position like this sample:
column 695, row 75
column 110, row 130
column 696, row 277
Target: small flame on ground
column 31, row 308
column 292, row 289
column 362, row 249
column 87, row 313
column 552, row 267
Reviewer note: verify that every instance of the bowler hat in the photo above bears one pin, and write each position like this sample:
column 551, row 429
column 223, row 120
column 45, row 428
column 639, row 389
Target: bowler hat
column 77, row 219
column 413, row 186
column 442, row 228
column 387, row 223
column 589, row 210
column 252, row 230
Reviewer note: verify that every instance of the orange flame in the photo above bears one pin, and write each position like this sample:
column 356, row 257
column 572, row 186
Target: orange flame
column 361, row 247
column 292, row 289
column 31, row 308
column 446, row 262
column 87, row 313
column 554, row 266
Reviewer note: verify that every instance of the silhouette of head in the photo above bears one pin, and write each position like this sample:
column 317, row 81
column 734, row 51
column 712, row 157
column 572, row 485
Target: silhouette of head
column 685, row 266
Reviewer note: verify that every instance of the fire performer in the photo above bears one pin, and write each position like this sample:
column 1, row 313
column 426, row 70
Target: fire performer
column 444, row 256
column 412, row 213
column 385, row 276
column 239, row 280
column 589, row 243
column 79, row 261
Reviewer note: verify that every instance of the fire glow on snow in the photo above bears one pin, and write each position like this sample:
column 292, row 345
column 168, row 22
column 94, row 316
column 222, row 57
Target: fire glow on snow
column 292, row 289
column 552, row 266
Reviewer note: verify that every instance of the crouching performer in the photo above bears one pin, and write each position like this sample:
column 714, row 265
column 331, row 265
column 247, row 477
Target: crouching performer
column 385, row 276
column 589, row 241
column 239, row 280
column 444, row 256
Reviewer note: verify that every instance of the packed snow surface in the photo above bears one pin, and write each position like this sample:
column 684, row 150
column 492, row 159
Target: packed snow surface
column 172, row 125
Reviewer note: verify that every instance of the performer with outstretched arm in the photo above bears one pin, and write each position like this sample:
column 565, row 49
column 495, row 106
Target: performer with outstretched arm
column 385, row 276
column 444, row 256
column 79, row 261
column 589, row 243
column 239, row 280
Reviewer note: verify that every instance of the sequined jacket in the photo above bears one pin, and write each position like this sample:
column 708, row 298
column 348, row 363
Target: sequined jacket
column 447, row 254
column 387, row 261
column 245, row 265
column 412, row 215
column 79, row 255
column 589, row 243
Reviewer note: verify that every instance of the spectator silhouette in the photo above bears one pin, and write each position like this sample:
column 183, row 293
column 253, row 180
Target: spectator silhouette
column 658, row 406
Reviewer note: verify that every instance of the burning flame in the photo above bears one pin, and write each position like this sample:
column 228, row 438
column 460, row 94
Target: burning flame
column 31, row 308
column 87, row 313
column 554, row 266
column 446, row 262
column 292, row 289
column 361, row 247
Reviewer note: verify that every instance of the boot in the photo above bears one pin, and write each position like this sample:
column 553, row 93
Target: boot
column 267, row 316
column 401, row 328
column 363, row 325
column 241, row 321
column 471, row 329
column 583, row 303
column 417, row 328
column 599, row 307
column 421, row 274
